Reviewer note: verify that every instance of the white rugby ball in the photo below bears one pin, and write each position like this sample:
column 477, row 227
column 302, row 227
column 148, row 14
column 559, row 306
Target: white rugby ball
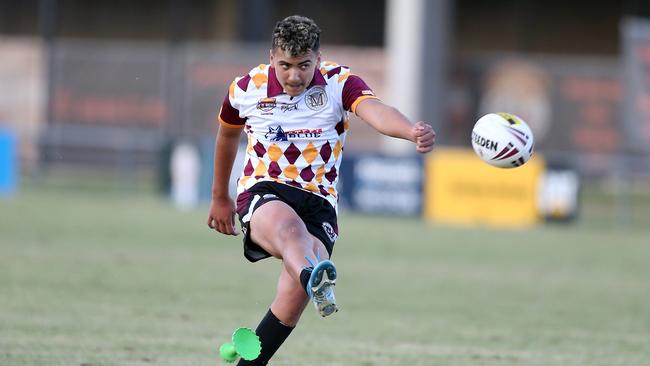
column 503, row 140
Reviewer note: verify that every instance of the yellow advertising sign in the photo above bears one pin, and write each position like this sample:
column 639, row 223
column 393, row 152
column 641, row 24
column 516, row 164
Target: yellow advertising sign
column 461, row 189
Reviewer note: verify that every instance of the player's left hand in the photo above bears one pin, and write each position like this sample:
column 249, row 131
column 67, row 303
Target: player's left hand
column 424, row 137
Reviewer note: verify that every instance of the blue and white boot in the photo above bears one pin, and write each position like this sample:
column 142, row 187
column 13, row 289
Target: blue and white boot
column 320, row 287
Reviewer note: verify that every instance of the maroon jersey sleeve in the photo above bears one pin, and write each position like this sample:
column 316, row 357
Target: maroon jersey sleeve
column 354, row 91
column 229, row 116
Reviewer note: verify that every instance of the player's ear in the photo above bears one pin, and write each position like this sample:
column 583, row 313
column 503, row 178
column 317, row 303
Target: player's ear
column 271, row 56
column 318, row 59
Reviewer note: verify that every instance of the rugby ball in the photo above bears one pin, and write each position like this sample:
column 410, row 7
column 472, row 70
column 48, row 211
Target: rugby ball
column 503, row 140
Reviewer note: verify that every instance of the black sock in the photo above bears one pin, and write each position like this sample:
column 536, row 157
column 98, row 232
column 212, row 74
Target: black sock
column 304, row 278
column 272, row 334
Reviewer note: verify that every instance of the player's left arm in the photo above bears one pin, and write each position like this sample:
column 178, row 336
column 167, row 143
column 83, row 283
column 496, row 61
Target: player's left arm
column 391, row 122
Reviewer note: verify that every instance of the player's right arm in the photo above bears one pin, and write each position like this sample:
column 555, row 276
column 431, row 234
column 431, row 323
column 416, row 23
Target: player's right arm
column 222, row 207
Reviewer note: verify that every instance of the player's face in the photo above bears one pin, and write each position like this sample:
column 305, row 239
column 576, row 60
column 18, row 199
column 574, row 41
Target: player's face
column 294, row 72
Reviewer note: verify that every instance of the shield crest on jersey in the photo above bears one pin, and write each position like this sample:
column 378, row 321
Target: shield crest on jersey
column 316, row 98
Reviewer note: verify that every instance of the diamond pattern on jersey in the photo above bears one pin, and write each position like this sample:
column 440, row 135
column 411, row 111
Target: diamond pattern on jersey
column 243, row 180
column 308, row 160
column 310, row 153
column 337, row 149
column 274, row 169
column 248, row 169
column 319, row 173
column 313, row 169
column 311, row 187
column 260, row 79
column 331, row 175
column 307, row 174
column 340, row 128
column 292, row 153
column 260, row 169
column 275, row 153
column 326, row 152
column 260, row 150
column 291, row 172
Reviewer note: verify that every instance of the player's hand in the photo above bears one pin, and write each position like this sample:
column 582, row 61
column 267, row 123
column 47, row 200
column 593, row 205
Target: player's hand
column 424, row 137
column 222, row 216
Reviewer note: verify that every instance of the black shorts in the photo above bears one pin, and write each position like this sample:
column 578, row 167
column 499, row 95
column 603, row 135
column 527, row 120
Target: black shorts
column 318, row 215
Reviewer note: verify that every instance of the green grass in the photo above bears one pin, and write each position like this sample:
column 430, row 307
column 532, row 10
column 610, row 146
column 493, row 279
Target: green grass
column 91, row 278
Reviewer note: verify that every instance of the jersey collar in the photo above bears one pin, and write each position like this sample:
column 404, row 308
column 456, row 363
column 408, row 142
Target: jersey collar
column 274, row 87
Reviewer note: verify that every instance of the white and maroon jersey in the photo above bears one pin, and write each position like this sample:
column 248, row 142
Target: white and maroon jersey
column 294, row 140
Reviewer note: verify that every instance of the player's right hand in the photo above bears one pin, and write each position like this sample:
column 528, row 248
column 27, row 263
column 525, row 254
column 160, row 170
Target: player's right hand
column 222, row 216
column 424, row 137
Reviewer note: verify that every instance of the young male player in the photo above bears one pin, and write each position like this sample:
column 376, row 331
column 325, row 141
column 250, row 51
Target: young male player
column 294, row 113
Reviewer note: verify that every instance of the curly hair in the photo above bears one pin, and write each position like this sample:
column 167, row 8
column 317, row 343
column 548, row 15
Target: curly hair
column 296, row 35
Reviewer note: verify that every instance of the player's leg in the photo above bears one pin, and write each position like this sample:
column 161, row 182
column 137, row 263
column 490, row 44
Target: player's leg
column 319, row 282
column 278, row 229
column 279, row 321
column 291, row 297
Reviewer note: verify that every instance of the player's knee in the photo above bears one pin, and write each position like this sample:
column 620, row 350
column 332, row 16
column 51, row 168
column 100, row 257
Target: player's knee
column 292, row 229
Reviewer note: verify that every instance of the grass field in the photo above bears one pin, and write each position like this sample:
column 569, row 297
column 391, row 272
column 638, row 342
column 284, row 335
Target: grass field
column 93, row 279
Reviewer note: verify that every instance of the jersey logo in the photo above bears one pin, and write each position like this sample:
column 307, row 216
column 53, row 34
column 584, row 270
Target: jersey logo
column 277, row 134
column 266, row 104
column 287, row 107
column 329, row 230
column 316, row 98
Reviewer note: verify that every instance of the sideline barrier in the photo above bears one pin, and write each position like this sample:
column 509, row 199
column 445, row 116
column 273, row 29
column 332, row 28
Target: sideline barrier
column 382, row 184
column 462, row 190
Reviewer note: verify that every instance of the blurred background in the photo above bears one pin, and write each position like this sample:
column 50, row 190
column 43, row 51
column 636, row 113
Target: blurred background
column 107, row 91
column 107, row 125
